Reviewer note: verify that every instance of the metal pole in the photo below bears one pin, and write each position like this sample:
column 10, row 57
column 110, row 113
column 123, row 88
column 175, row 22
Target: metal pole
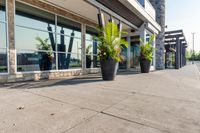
column 193, row 47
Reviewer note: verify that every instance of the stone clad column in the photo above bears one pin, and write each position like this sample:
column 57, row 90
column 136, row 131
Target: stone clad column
column 159, row 6
column 11, row 37
column 83, row 48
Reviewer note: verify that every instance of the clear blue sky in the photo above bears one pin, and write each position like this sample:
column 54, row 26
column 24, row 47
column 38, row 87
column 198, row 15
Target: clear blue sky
column 184, row 14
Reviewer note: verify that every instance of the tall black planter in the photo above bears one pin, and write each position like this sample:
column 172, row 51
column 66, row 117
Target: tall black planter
column 88, row 61
column 145, row 66
column 108, row 69
column 45, row 62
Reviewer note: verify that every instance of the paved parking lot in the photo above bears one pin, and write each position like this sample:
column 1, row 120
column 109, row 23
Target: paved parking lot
column 160, row 102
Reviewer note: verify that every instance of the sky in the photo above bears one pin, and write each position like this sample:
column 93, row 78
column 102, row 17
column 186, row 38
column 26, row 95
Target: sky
column 184, row 14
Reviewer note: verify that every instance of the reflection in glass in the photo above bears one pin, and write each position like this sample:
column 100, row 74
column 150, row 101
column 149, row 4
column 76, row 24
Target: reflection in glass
column 2, row 10
column 3, row 42
column 170, row 59
column 135, row 52
column 123, row 63
column 67, row 27
column 3, row 61
column 3, row 35
column 91, row 48
column 91, row 54
column 40, row 27
column 69, row 61
column 34, row 18
column 26, row 38
column 35, row 61
column 90, row 32
column 68, row 44
column 92, row 61
column 152, row 44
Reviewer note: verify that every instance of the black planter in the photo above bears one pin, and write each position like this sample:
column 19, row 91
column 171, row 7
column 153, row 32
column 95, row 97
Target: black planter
column 145, row 66
column 88, row 61
column 108, row 69
column 45, row 62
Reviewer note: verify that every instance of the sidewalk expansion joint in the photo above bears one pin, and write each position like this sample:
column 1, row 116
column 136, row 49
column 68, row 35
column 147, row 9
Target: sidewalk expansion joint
column 60, row 101
column 131, row 121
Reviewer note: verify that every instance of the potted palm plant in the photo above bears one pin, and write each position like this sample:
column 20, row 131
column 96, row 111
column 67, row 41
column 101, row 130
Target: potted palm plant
column 146, row 55
column 88, row 56
column 110, row 45
column 46, row 58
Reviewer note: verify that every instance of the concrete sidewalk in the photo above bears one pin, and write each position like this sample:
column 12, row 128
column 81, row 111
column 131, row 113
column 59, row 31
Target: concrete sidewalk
column 160, row 102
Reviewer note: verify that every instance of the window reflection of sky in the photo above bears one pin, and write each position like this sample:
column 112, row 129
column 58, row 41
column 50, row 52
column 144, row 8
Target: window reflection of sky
column 3, row 35
column 28, row 29
column 2, row 10
column 2, row 15
column 3, row 38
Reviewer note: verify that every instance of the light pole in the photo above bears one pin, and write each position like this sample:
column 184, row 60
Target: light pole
column 193, row 47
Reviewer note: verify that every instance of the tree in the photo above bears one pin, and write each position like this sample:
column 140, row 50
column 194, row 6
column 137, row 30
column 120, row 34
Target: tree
column 192, row 56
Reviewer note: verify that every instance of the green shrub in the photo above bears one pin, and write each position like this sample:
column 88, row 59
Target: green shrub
column 110, row 43
column 146, row 49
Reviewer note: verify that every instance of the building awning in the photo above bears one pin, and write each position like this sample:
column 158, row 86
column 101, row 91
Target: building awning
column 171, row 37
column 122, row 11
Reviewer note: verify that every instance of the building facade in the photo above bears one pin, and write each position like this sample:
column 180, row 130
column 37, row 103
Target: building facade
column 47, row 39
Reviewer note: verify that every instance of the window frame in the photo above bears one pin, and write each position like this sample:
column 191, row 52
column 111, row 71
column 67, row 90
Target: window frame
column 7, row 38
column 91, row 40
column 56, row 43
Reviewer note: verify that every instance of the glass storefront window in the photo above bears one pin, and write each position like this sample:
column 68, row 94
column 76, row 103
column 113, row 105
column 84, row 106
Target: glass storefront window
column 3, row 42
column 27, row 39
column 3, row 61
column 123, row 63
column 69, row 44
column 152, row 44
column 35, row 61
column 68, row 27
column 3, row 38
column 67, row 49
column 27, row 16
column 35, row 39
column 58, row 47
column 69, row 61
column 2, row 10
column 135, row 52
column 91, row 48
column 170, row 60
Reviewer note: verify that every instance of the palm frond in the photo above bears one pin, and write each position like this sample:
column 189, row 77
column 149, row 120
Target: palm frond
column 110, row 43
column 147, row 49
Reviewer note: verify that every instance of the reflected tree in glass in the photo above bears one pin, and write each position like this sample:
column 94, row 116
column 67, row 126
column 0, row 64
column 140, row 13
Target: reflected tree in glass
column 45, row 54
column 88, row 56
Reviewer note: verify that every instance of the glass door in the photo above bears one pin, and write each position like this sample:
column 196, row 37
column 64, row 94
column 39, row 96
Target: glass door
column 135, row 52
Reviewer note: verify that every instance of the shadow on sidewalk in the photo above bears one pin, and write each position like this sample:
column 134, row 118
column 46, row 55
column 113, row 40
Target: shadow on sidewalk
column 128, row 72
column 85, row 79
column 54, row 82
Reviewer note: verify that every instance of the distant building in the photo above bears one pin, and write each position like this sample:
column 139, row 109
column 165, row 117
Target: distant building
column 175, row 49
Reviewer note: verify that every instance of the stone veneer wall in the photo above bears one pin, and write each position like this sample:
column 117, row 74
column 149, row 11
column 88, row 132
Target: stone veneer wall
column 19, row 77
column 159, row 6
column 13, row 76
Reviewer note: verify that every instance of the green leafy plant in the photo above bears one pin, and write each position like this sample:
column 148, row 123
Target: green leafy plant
column 88, row 49
column 146, row 49
column 43, row 45
column 110, row 43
